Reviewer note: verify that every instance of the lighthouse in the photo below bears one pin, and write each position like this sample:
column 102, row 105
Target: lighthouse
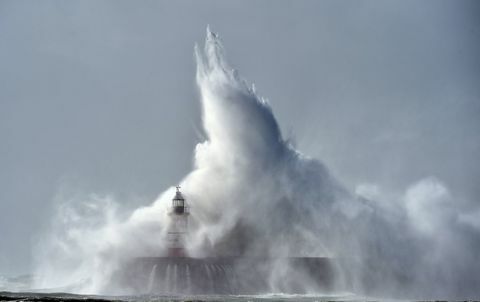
column 178, row 225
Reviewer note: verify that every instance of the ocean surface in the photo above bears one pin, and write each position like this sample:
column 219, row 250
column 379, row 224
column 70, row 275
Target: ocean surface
column 19, row 288
column 52, row 297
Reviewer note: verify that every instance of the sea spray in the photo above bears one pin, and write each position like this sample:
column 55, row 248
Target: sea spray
column 254, row 195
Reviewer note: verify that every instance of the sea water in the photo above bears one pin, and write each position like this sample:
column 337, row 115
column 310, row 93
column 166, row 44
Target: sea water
column 26, row 296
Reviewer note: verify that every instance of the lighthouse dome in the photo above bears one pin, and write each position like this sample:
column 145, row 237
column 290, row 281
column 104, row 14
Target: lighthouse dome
column 178, row 196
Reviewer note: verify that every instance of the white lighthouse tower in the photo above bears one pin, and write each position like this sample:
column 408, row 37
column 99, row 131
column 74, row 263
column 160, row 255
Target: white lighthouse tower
column 178, row 225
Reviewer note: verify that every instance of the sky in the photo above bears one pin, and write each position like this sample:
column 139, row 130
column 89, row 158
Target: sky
column 99, row 96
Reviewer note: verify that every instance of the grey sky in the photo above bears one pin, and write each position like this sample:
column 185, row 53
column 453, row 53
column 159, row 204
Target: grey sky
column 99, row 96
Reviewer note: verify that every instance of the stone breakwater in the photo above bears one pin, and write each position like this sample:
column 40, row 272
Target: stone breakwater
column 226, row 275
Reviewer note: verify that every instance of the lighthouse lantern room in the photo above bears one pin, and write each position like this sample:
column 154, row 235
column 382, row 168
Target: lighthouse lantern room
column 178, row 225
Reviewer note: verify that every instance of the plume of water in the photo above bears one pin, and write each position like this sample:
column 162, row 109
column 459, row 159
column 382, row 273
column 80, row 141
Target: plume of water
column 254, row 195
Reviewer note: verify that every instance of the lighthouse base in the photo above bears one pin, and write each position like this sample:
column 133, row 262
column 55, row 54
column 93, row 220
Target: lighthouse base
column 226, row 275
